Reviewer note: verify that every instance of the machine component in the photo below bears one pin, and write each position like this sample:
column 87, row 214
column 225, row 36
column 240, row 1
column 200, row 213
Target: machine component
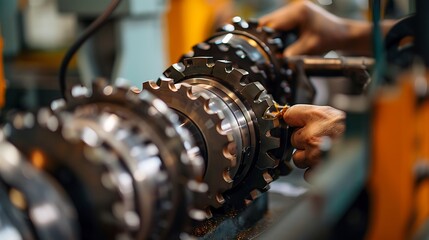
column 399, row 43
column 225, row 112
column 254, row 49
column 32, row 206
column 122, row 158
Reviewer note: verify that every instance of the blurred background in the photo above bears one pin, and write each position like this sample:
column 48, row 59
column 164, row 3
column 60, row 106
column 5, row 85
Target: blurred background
column 137, row 44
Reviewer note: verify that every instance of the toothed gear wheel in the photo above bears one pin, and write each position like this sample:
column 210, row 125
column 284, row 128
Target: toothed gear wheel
column 139, row 170
column 31, row 206
column 258, row 50
column 227, row 112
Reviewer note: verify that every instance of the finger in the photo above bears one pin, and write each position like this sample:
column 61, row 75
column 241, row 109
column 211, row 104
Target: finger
column 308, row 173
column 297, row 139
column 305, row 45
column 286, row 18
column 298, row 115
column 298, row 158
column 313, row 156
column 306, row 158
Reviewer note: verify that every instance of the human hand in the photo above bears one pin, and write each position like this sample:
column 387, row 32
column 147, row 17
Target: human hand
column 312, row 124
column 320, row 31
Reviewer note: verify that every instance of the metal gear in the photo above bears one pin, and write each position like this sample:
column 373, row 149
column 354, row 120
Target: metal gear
column 136, row 167
column 257, row 50
column 226, row 112
column 32, row 207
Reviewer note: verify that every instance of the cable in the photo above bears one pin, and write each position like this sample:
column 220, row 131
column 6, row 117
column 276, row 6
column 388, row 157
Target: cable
column 99, row 22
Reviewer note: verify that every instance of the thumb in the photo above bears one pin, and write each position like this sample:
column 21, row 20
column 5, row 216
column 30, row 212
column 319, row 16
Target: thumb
column 297, row 115
column 299, row 47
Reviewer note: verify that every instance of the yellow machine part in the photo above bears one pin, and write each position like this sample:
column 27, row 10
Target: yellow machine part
column 192, row 21
column 400, row 141
column 2, row 78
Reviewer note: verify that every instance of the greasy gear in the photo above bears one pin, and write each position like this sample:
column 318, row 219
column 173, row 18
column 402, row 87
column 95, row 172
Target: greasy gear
column 31, row 206
column 207, row 93
column 258, row 50
column 128, row 157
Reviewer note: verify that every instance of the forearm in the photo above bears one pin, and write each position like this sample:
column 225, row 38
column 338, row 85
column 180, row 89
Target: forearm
column 359, row 39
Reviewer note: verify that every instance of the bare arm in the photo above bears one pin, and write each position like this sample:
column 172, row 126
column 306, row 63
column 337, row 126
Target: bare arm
column 321, row 31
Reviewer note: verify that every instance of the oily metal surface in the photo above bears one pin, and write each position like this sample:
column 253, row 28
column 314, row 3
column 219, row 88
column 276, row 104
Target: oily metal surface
column 137, row 170
column 257, row 50
column 34, row 200
column 252, row 102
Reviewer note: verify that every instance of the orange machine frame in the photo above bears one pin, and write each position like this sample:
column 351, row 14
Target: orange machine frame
column 400, row 141
column 192, row 21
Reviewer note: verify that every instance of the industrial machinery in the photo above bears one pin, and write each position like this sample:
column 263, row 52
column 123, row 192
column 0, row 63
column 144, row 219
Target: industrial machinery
column 120, row 158
column 256, row 49
column 163, row 161
column 32, row 206
column 224, row 111
column 131, row 168
column 128, row 166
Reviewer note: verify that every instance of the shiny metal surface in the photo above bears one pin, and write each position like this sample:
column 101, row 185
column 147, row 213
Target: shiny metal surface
column 137, row 170
column 249, row 46
column 255, row 49
column 36, row 198
column 229, row 114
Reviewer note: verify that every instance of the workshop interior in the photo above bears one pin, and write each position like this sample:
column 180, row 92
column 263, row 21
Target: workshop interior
column 159, row 119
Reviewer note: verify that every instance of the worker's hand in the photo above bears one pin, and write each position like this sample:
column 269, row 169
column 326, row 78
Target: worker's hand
column 312, row 124
column 319, row 30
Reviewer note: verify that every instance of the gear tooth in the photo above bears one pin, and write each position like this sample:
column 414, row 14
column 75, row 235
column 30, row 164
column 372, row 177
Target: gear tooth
column 268, row 30
column 226, row 48
column 253, row 91
column 167, row 83
column 244, row 24
column 255, row 194
column 99, row 84
column 175, row 71
column 220, row 199
column 236, row 19
column 224, row 65
column 197, row 214
column 188, row 55
column 267, row 161
column 80, row 91
column 150, row 85
column 198, row 66
column 272, row 141
column 58, row 104
column 222, row 68
column 247, row 202
column 198, row 62
column 275, row 42
column 236, row 77
column 209, row 213
column 228, row 28
column 253, row 23
column 227, row 177
column 267, row 177
column 202, row 46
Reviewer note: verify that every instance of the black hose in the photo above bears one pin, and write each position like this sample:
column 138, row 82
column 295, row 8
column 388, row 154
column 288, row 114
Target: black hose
column 99, row 22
